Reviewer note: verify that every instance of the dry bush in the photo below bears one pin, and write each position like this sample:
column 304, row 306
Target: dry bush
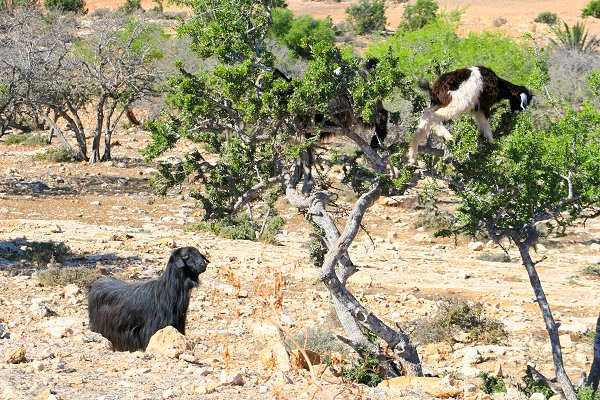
column 569, row 71
column 458, row 316
column 61, row 276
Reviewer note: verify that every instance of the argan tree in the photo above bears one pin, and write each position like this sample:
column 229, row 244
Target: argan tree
column 117, row 61
column 260, row 120
column 535, row 175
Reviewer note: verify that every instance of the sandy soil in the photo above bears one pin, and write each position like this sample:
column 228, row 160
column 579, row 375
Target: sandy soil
column 478, row 15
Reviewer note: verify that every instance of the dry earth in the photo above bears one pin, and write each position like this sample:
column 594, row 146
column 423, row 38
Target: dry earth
column 110, row 221
column 478, row 15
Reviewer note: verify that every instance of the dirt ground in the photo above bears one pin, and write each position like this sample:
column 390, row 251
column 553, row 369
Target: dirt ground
column 111, row 221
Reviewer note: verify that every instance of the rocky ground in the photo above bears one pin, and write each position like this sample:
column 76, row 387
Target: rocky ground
column 112, row 223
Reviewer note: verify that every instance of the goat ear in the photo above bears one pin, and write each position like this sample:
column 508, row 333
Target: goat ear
column 177, row 260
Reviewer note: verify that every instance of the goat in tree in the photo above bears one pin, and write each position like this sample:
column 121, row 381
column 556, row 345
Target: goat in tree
column 468, row 90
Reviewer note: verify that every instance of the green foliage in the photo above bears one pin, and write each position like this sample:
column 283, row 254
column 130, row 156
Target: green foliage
column 300, row 34
column 367, row 16
column 587, row 393
column 547, row 17
column 27, row 139
column 492, row 384
column 575, row 37
column 436, row 48
column 131, row 6
column 365, row 370
column 419, row 14
column 43, row 253
column 531, row 385
column 592, row 9
column 217, row 30
column 61, row 276
column 65, row 5
column 241, row 227
column 526, row 175
column 594, row 81
column 58, row 155
column 305, row 31
column 455, row 316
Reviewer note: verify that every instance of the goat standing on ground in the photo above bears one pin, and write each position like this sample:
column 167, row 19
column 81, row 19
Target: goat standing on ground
column 128, row 314
column 469, row 90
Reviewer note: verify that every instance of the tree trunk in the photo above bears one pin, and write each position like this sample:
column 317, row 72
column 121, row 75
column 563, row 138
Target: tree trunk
column 131, row 117
column 78, row 129
column 397, row 341
column 98, row 131
column 108, row 134
column 594, row 375
column 55, row 128
column 551, row 327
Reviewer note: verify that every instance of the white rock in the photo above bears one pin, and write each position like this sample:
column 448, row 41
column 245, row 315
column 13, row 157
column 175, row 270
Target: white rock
column 476, row 246
column 471, row 356
column 595, row 246
column 537, row 396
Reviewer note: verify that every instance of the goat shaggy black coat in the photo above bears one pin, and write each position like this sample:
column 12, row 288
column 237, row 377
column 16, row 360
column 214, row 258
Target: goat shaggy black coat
column 128, row 314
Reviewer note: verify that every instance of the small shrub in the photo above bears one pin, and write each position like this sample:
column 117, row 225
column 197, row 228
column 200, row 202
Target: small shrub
column 457, row 316
column 62, row 276
column 547, row 17
column 28, row 140
column 42, row 253
column 367, row 16
column 533, row 385
column 365, row 370
column 100, row 12
column 492, row 384
column 316, row 252
column 587, row 393
column 574, row 37
column 242, row 227
column 62, row 154
column 320, row 341
column 420, row 14
column 493, row 257
column 131, row 6
column 592, row 9
column 587, row 337
column 593, row 270
column 64, row 5
column 498, row 22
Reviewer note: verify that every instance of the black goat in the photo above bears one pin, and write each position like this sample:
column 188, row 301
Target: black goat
column 128, row 314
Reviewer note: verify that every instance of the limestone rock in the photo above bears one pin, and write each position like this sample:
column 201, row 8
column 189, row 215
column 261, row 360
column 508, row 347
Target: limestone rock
column 476, row 246
column 537, row 396
column 15, row 356
column 168, row 341
column 298, row 360
column 275, row 357
column 437, row 387
column 231, row 379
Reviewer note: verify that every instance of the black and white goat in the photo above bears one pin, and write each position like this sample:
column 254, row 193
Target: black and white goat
column 128, row 314
column 469, row 90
